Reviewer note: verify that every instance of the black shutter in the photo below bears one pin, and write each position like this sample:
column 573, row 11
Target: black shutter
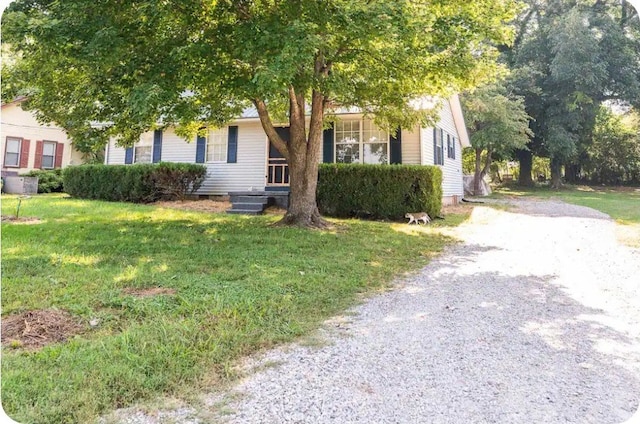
column 201, row 146
column 327, row 145
column 128, row 156
column 435, row 146
column 232, row 145
column 157, row 146
column 395, row 147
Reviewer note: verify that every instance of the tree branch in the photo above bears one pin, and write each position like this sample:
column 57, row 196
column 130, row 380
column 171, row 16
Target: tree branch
column 269, row 129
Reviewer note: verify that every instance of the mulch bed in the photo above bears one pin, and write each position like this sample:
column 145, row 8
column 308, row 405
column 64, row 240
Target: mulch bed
column 148, row 292
column 210, row 205
column 35, row 329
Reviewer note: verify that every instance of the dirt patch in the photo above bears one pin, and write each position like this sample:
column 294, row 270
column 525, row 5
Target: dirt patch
column 26, row 220
column 35, row 329
column 207, row 205
column 275, row 210
column 148, row 292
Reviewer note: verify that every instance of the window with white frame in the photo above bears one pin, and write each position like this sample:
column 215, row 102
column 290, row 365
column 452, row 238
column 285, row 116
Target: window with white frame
column 12, row 152
column 217, row 145
column 143, row 149
column 361, row 141
column 48, row 154
column 451, row 146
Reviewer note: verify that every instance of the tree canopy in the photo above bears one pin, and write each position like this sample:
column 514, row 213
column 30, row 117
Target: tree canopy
column 497, row 125
column 568, row 59
column 134, row 65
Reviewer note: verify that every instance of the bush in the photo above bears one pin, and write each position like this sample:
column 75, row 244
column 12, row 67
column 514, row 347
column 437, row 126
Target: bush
column 125, row 183
column 379, row 191
column 139, row 183
column 177, row 180
column 49, row 181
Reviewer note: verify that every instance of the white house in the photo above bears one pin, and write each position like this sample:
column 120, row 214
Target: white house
column 239, row 157
column 28, row 144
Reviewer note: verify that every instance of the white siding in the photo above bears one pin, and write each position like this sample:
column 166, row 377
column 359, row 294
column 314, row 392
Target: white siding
column 426, row 137
column 221, row 178
column 411, row 147
column 248, row 172
column 177, row 149
column 452, row 168
column 115, row 154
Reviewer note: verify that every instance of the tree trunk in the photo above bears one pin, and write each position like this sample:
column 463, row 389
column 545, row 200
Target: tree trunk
column 571, row 173
column 303, row 209
column 525, row 157
column 556, row 173
column 477, row 177
column 303, row 156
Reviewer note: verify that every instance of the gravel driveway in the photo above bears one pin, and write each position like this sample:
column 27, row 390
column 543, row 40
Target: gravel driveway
column 535, row 318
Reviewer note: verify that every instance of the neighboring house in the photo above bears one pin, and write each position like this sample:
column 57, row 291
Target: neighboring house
column 239, row 157
column 28, row 145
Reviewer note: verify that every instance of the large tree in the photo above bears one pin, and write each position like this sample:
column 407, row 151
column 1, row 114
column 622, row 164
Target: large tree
column 569, row 58
column 497, row 125
column 190, row 64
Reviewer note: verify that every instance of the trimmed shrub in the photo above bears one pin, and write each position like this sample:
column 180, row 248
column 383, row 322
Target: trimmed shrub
column 178, row 180
column 138, row 183
column 49, row 180
column 122, row 183
column 378, row 191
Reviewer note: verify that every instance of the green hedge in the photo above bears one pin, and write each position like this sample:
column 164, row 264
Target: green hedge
column 136, row 183
column 49, row 181
column 379, row 191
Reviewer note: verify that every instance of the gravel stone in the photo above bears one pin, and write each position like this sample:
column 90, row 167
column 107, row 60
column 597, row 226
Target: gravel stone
column 534, row 318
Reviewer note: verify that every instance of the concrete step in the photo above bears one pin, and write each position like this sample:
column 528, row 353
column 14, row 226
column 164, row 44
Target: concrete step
column 249, row 206
column 244, row 212
column 250, row 199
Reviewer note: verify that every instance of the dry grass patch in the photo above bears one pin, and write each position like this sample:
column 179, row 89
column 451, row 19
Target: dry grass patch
column 25, row 220
column 205, row 205
column 36, row 329
column 149, row 292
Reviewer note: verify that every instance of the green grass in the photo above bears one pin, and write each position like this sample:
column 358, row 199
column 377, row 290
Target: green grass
column 622, row 204
column 241, row 285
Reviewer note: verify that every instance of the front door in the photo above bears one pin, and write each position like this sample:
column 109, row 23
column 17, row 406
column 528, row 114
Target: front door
column 277, row 168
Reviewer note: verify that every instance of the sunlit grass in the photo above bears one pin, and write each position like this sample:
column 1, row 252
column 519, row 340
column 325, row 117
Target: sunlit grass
column 240, row 285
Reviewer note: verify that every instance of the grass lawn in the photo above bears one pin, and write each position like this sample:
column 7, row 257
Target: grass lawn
column 232, row 285
column 621, row 204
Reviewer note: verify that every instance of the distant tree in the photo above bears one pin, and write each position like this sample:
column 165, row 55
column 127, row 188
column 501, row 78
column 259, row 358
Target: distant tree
column 192, row 64
column 568, row 58
column 614, row 154
column 497, row 125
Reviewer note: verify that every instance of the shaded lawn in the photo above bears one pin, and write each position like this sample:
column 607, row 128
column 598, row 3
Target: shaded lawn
column 240, row 285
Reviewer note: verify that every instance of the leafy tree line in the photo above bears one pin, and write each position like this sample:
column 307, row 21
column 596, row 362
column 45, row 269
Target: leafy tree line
column 569, row 64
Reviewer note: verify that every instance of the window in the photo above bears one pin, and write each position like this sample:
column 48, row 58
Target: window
column 438, row 156
column 142, row 150
column 361, row 141
column 217, row 145
column 12, row 152
column 451, row 146
column 48, row 154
